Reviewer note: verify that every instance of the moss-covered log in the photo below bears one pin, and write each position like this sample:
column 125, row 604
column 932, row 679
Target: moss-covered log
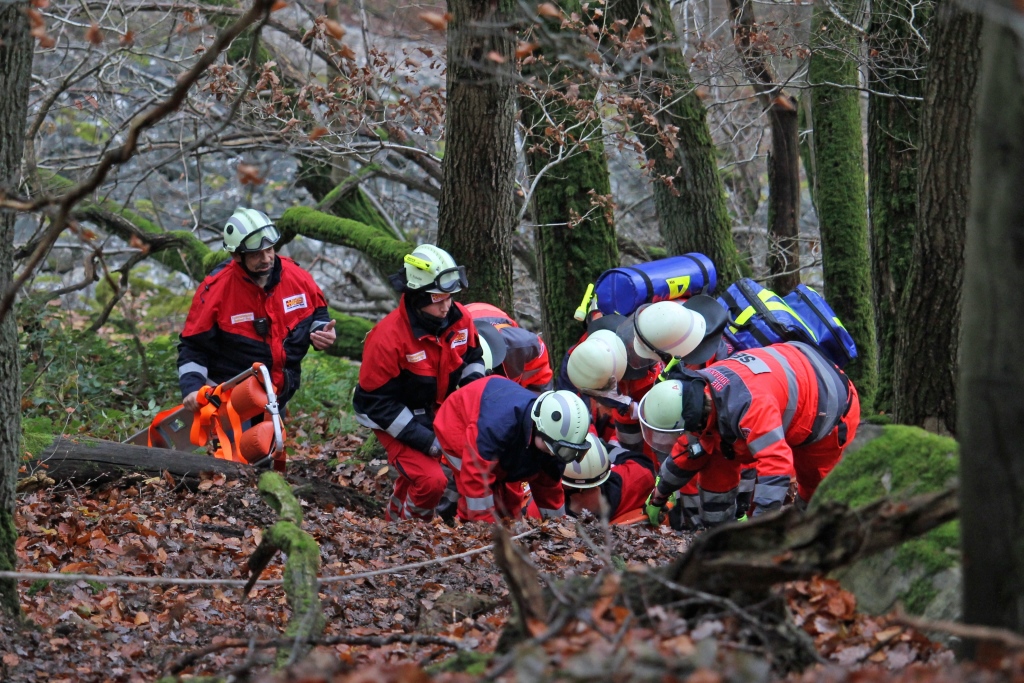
column 839, row 180
column 301, row 569
column 575, row 233
column 692, row 210
column 351, row 331
column 178, row 250
column 385, row 253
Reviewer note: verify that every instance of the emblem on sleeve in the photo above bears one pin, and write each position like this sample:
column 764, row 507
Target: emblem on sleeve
column 461, row 337
column 294, row 302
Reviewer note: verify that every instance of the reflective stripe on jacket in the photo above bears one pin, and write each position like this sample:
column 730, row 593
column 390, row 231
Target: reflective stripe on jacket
column 486, row 433
column 220, row 339
column 408, row 372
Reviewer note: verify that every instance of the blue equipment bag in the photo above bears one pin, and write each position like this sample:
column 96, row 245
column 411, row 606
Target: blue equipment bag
column 623, row 290
column 760, row 317
column 833, row 339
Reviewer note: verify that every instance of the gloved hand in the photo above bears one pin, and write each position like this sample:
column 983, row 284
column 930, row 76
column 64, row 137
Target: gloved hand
column 435, row 449
column 653, row 510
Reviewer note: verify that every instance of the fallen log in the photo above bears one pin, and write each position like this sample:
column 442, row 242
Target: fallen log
column 790, row 545
column 94, row 461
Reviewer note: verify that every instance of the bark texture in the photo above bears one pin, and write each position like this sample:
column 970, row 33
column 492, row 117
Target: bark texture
column 476, row 215
column 928, row 323
column 94, row 461
column 671, row 123
column 991, row 421
column 15, row 72
column 575, row 233
column 893, row 143
column 784, row 156
column 839, row 192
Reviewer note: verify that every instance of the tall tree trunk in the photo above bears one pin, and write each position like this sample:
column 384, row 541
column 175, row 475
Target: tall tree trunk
column 575, row 234
column 477, row 215
column 839, row 192
column 784, row 158
column 991, row 420
column 895, row 74
column 688, row 192
column 15, row 73
column 928, row 322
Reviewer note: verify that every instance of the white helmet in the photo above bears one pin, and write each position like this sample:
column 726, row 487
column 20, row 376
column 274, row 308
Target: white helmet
column 666, row 329
column 432, row 269
column 598, row 363
column 492, row 344
column 249, row 230
column 592, row 470
column 661, row 415
column 563, row 420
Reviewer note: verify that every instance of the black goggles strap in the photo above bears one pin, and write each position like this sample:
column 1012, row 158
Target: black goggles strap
column 665, row 357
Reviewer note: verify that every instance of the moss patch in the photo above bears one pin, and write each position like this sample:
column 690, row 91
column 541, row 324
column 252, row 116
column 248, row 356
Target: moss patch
column 903, row 461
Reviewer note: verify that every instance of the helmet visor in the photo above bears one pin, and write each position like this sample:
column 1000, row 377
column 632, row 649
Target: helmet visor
column 261, row 238
column 626, row 331
column 661, row 440
column 451, row 280
column 567, row 451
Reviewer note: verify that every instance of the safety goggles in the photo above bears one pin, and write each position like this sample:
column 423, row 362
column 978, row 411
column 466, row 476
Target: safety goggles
column 566, row 451
column 261, row 238
column 451, row 280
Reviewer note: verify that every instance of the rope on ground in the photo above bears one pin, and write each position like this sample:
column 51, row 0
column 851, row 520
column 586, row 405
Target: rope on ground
column 173, row 581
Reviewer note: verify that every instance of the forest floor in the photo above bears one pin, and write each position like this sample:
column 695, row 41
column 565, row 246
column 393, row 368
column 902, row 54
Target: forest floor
column 88, row 631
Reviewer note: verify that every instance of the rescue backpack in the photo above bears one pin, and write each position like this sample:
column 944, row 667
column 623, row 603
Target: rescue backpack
column 760, row 317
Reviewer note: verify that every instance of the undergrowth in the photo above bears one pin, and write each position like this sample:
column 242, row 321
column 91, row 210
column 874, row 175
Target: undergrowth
column 110, row 384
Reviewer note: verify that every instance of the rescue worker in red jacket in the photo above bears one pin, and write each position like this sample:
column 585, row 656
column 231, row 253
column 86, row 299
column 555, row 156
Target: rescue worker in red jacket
column 664, row 331
column 610, row 379
column 256, row 307
column 617, row 479
column 618, row 368
column 495, row 432
column 784, row 407
column 526, row 360
column 413, row 360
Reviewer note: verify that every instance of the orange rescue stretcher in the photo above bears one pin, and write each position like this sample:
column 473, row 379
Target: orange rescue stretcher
column 222, row 418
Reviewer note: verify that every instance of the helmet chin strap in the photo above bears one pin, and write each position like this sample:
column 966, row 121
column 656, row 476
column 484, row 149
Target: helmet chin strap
column 260, row 278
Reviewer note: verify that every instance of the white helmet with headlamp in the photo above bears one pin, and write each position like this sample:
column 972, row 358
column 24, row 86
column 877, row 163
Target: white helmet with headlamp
column 430, row 268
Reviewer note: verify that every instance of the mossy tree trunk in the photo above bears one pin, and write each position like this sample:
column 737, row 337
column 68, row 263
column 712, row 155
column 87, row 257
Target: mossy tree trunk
column 477, row 215
column 839, row 192
column 575, row 234
column 928, row 321
column 991, row 420
column 896, row 75
column 15, row 73
column 692, row 211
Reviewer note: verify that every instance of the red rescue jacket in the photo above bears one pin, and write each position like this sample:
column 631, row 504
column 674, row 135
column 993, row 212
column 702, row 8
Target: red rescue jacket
column 407, row 373
column 527, row 362
column 486, row 432
column 220, row 338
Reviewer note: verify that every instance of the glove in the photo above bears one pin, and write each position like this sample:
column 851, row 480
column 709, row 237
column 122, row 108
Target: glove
column 653, row 510
column 435, row 449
